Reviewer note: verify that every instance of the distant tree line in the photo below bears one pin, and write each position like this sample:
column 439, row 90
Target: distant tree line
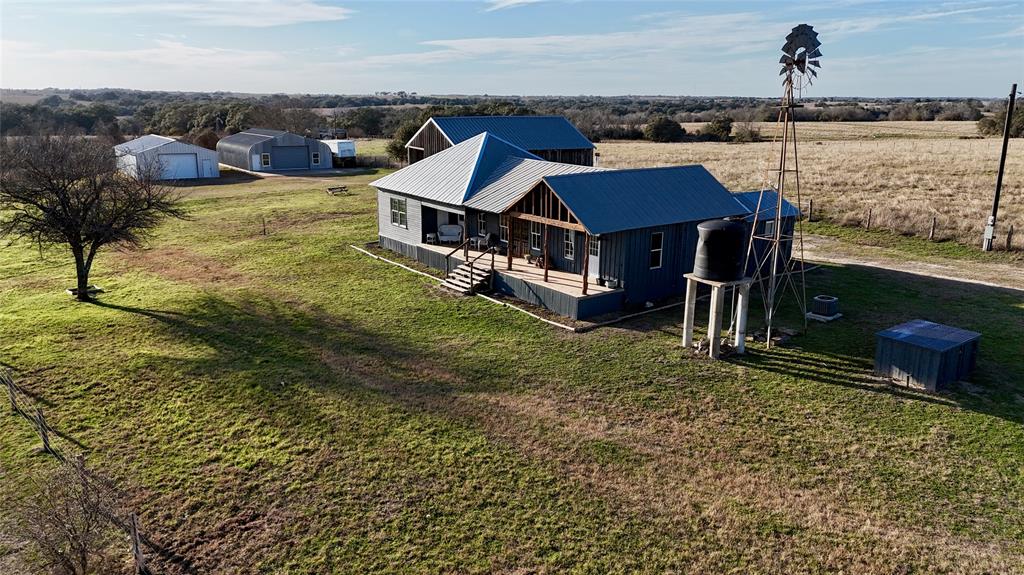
column 204, row 117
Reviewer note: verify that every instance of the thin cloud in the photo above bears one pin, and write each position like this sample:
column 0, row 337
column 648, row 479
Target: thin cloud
column 232, row 13
column 503, row 4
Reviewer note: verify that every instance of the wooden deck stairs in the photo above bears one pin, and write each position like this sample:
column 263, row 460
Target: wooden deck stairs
column 466, row 282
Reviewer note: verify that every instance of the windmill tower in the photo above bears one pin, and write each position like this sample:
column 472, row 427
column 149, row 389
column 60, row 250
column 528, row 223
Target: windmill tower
column 771, row 246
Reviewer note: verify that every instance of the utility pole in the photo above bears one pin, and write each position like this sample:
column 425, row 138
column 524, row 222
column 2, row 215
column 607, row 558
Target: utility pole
column 990, row 228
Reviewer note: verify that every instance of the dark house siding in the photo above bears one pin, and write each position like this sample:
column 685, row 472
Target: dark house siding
column 581, row 157
column 625, row 256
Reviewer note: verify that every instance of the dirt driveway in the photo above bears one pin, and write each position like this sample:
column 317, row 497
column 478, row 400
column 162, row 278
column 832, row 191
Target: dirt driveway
column 830, row 250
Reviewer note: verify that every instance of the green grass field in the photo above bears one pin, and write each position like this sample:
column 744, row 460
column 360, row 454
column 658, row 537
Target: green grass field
column 281, row 403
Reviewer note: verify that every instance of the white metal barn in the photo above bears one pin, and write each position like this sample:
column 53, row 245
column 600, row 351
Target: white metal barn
column 175, row 160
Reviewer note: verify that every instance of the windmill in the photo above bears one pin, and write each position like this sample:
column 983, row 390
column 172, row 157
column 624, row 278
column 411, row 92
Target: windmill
column 771, row 246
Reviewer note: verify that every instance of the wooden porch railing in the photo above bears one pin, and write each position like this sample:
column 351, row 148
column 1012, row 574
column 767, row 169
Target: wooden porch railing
column 472, row 262
column 448, row 258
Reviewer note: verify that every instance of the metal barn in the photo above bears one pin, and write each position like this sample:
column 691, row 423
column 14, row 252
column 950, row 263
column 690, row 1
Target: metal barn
column 171, row 159
column 262, row 150
column 926, row 354
column 551, row 138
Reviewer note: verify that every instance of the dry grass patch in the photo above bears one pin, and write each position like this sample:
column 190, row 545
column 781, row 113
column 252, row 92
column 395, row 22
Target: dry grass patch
column 904, row 182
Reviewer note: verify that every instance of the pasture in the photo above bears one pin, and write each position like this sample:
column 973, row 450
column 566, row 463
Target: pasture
column 905, row 173
column 282, row 403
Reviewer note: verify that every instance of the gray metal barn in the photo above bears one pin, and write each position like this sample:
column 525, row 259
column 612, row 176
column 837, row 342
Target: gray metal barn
column 171, row 159
column 263, row 150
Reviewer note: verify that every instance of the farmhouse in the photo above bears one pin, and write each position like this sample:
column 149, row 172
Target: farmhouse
column 169, row 158
column 578, row 240
column 551, row 138
column 263, row 150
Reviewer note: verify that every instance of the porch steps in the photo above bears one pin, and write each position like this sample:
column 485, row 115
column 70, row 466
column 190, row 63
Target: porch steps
column 460, row 280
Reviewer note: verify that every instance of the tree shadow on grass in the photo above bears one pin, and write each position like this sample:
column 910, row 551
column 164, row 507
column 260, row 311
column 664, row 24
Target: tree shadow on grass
column 278, row 348
column 287, row 340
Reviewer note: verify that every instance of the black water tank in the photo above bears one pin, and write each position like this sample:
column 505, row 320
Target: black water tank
column 720, row 250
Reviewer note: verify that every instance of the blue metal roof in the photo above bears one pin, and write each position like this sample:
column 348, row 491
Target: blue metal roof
column 527, row 132
column 617, row 200
column 453, row 175
column 749, row 201
column 929, row 335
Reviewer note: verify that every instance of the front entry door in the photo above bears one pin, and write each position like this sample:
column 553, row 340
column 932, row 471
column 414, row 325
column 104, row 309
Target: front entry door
column 520, row 244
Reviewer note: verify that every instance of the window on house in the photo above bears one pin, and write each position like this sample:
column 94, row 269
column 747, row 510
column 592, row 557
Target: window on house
column 481, row 224
column 535, row 235
column 265, row 160
column 316, row 158
column 398, row 213
column 769, row 228
column 569, row 241
column 595, row 246
column 657, row 246
column 503, row 228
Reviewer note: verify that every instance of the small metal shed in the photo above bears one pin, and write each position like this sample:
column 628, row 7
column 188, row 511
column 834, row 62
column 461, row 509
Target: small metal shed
column 926, row 354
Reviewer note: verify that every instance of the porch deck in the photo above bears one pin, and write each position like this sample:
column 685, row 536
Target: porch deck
column 564, row 282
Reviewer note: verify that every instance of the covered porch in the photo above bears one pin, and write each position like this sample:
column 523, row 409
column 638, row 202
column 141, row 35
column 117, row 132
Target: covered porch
column 517, row 267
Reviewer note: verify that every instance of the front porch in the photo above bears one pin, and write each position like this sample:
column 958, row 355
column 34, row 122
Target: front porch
column 561, row 281
column 562, row 293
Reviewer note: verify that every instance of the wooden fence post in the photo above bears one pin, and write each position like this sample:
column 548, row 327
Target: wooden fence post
column 1009, row 238
column 931, row 231
column 810, row 210
column 140, row 559
column 868, row 225
column 42, row 429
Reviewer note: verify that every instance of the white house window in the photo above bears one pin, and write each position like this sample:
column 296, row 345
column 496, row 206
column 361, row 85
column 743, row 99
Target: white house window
column 481, row 224
column 769, row 228
column 265, row 160
column 657, row 244
column 503, row 229
column 535, row 235
column 398, row 213
column 569, row 241
column 595, row 246
column 316, row 158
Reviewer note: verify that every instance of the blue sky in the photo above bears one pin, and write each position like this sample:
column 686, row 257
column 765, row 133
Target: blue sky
column 565, row 47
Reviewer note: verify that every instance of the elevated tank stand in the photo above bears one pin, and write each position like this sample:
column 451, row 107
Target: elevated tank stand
column 717, row 309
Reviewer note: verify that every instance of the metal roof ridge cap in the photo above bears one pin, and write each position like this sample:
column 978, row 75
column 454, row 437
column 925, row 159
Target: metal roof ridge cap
column 476, row 165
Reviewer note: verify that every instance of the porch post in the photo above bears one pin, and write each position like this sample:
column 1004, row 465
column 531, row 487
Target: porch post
column 465, row 236
column 511, row 240
column 546, row 252
column 586, row 261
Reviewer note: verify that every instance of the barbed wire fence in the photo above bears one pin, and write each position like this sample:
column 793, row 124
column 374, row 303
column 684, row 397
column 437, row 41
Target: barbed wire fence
column 114, row 503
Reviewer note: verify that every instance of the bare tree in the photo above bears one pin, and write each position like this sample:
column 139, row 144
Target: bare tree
column 65, row 523
column 67, row 190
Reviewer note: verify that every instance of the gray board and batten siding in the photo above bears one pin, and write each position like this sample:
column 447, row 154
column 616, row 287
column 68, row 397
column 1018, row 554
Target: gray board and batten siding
column 285, row 151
